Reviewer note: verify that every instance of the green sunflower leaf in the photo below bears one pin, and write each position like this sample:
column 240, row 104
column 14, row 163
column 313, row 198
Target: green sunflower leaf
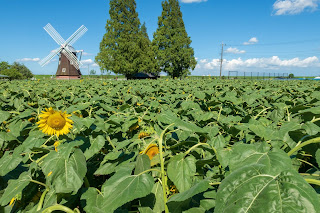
column 181, row 171
column 15, row 187
column 118, row 190
column 255, row 188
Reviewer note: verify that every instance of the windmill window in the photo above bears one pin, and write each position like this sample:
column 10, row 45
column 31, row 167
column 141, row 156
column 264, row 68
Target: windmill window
column 71, row 62
column 59, row 62
column 63, row 69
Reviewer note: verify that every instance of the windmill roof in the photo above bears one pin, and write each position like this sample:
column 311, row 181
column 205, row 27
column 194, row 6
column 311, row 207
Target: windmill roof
column 71, row 49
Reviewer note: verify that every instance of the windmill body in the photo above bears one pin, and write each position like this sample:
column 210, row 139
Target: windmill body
column 69, row 64
column 66, row 70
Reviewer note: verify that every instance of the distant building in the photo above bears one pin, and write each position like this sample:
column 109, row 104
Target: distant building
column 142, row 75
column 4, row 77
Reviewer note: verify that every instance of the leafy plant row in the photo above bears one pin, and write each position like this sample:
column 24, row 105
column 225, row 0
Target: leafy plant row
column 195, row 145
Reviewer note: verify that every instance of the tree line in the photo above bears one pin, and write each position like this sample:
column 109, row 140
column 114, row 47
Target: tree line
column 126, row 48
column 15, row 70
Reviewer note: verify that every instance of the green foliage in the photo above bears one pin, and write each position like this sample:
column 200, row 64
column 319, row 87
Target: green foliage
column 252, row 187
column 181, row 170
column 149, row 63
column 124, row 49
column 92, row 72
column 291, row 75
column 4, row 65
column 171, row 42
column 15, row 71
column 22, row 69
column 231, row 146
column 12, row 73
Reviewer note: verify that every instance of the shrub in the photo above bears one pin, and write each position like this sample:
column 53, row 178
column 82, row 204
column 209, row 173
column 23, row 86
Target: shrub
column 12, row 73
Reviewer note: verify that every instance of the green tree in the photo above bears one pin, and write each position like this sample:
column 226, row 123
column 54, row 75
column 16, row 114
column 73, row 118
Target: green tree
column 22, row 69
column 4, row 65
column 120, row 49
column 171, row 42
column 92, row 72
column 291, row 75
column 149, row 63
column 12, row 73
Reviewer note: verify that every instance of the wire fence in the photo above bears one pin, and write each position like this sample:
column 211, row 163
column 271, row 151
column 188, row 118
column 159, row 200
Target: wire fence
column 256, row 75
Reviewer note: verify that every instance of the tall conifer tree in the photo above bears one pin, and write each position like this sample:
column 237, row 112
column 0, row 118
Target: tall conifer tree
column 149, row 63
column 171, row 42
column 120, row 48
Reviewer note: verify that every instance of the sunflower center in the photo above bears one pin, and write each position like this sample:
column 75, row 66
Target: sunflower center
column 56, row 121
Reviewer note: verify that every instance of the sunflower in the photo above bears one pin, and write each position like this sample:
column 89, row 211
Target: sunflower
column 151, row 150
column 174, row 189
column 31, row 119
column 143, row 135
column 134, row 127
column 54, row 122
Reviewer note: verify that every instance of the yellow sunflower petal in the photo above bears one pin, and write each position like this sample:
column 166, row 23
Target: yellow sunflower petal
column 151, row 150
column 54, row 122
column 12, row 201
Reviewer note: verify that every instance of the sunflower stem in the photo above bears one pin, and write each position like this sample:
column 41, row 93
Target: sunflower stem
column 37, row 182
column 215, row 184
column 313, row 181
column 314, row 140
column 109, row 140
column 42, row 199
column 195, row 146
column 163, row 173
column 57, row 207
column 44, row 145
column 40, row 159
column 219, row 114
column 265, row 109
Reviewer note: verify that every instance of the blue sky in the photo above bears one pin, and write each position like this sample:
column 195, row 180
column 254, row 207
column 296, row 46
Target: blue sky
column 271, row 36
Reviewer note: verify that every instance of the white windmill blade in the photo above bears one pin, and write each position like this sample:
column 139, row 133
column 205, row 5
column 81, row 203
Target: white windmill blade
column 47, row 59
column 49, row 26
column 79, row 35
column 72, row 58
column 54, row 34
column 74, row 37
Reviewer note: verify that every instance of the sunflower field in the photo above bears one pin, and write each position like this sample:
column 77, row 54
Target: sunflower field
column 152, row 146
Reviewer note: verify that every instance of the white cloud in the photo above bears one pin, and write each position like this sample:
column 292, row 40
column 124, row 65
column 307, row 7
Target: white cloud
column 203, row 61
column 272, row 63
column 87, row 61
column 86, row 54
column 291, row 7
column 234, row 51
column 251, row 41
column 28, row 59
column 211, row 65
column 192, row 1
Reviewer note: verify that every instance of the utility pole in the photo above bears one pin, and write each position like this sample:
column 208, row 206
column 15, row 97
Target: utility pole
column 221, row 60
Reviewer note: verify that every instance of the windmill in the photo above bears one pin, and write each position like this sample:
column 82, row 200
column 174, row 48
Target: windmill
column 69, row 64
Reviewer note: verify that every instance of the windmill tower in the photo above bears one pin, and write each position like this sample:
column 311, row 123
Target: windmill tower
column 69, row 64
